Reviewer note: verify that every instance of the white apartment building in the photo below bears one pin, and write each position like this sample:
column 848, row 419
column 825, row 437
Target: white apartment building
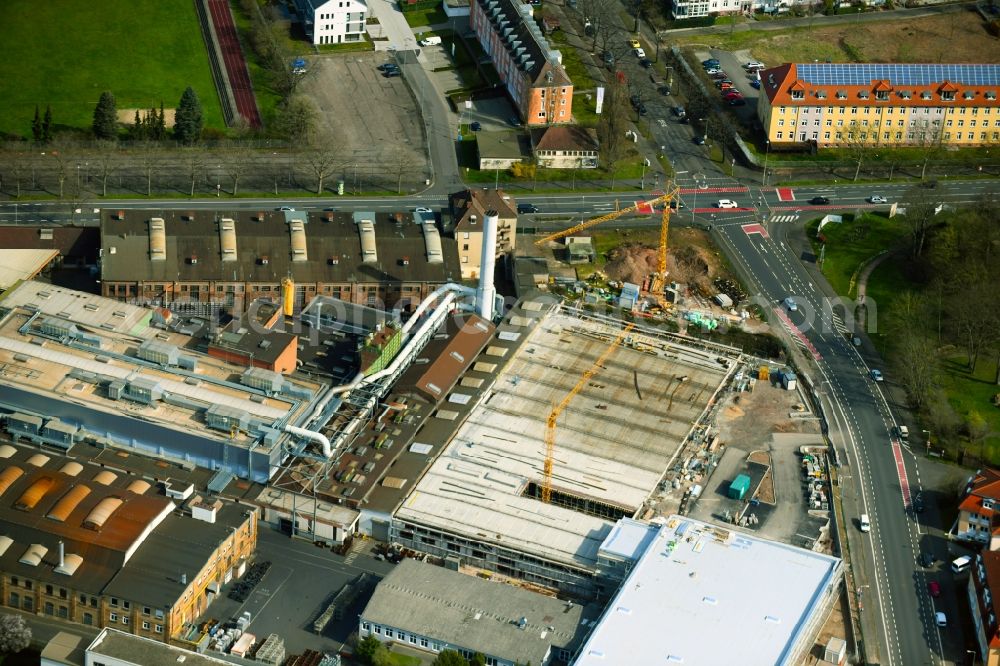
column 333, row 21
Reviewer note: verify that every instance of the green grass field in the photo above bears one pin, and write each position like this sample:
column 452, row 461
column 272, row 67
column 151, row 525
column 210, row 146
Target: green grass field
column 64, row 53
column 852, row 244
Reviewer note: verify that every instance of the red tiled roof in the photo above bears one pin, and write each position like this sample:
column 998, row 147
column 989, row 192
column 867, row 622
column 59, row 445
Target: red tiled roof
column 986, row 484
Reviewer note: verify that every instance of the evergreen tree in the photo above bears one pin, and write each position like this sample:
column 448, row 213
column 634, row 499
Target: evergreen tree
column 161, row 124
column 188, row 118
column 47, row 125
column 36, row 126
column 106, row 117
column 136, row 131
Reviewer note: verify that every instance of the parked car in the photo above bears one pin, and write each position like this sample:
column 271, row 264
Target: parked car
column 475, row 126
column 876, row 374
column 387, row 66
column 679, row 111
column 877, row 198
column 609, row 59
column 711, row 62
column 918, row 503
column 753, row 64
column 664, row 90
column 940, row 619
column 285, row 208
column 639, row 53
column 390, row 73
column 634, row 43
column 641, row 108
column 732, row 93
column 525, row 208
column 422, row 209
column 719, row 75
column 819, row 201
column 926, row 559
column 699, row 140
column 712, row 71
column 726, row 203
column 645, row 63
column 755, row 84
column 934, row 589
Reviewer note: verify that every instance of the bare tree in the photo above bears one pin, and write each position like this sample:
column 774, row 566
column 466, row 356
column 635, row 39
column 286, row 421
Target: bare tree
column 402, row 163
column 612, row 126
column 193, row 161
column 106, row 161
column 149, row 159
column 916, row 361
column 238, row 160
column 15, row 634
column 859, row 143
column 921, row 206
column 322, row 164
column 62, row 160
column 296, row 120
column 929, row 145
column 17, row 170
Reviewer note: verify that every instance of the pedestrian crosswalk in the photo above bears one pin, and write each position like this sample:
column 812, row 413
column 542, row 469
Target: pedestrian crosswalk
column 785, row 218
column 838, row 323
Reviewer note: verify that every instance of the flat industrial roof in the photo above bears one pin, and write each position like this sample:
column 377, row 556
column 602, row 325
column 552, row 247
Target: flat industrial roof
column 264, row 248
column 22, row 264
column 76, row 373
column 130, row 649
column 82, row 307
column 466, row 611
column 613, row 441
column 699, row 592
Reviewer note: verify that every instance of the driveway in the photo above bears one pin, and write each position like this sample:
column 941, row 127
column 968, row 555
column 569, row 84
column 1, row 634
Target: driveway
column 392, row 25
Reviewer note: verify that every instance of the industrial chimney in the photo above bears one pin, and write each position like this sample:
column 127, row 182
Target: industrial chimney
column 486, row 292
column 62, row 554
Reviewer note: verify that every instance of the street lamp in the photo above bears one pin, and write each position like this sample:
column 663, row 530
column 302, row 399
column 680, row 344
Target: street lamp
column 975, row 656
column 767, row 152
column 927, row 440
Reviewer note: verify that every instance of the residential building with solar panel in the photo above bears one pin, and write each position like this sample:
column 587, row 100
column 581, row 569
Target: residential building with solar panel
column 824, row 104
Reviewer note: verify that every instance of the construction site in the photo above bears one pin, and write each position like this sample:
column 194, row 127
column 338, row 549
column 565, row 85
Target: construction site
column 522, row 493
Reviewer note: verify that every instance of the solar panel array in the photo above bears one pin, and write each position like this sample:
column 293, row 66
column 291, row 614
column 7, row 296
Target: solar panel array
column 898, row 74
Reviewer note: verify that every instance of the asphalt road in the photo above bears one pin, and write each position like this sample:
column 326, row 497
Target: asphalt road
column 881, row 474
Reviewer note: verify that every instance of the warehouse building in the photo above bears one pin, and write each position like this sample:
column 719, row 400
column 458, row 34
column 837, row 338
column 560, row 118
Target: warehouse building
column 880, row 105
column 416, row 605
column 479, row 500
column 692, row 579
column 230, row 260
column 117, row 380
column 103, row 548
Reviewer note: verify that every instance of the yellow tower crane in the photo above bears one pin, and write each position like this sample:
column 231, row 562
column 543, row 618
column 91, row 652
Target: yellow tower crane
column 658, row 281
column 550, row 424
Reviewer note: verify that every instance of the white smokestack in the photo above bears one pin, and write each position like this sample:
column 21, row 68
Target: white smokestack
column 486, row 293
column 62, row 554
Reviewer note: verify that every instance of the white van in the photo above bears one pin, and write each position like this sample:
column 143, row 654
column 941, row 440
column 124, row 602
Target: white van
column 961, row 564
column 866, row 525
column 902, row 432
column 430, row 41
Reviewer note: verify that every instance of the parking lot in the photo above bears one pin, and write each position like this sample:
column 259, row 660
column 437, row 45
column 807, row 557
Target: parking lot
column 296, row 589
column 371, row 115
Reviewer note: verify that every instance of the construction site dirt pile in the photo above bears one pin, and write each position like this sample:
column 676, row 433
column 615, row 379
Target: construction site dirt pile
column 634, row 263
